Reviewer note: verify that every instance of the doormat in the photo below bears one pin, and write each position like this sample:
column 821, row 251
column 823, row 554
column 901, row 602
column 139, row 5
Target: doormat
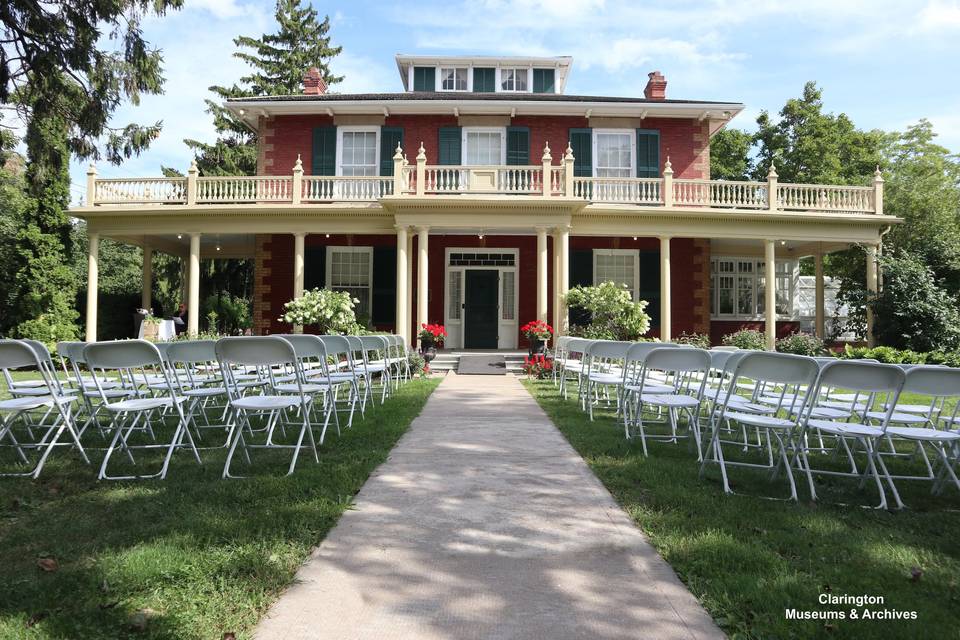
column 485, row 365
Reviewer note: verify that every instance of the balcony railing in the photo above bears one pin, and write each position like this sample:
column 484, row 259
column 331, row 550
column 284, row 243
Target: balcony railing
column 545, row 180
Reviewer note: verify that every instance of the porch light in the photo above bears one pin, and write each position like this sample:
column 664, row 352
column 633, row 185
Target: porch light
column 179, row 236
column 327, row 235
column 634, row 238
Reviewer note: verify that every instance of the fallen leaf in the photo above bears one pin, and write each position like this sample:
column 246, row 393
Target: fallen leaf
column 915, row 574
column 140, row 618
column 48, row 564
column 229, row 635
column 35, row 618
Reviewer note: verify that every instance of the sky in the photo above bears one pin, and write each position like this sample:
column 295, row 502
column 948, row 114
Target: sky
column 886, row 64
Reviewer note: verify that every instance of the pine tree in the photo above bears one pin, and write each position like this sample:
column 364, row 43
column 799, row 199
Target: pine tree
column 278, row 62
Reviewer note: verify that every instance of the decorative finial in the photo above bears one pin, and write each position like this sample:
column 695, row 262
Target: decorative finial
column 92, row 168
column 546, row 152
column 298, row 165
column 773, row 172
column 193, row 166
column 568, row 154
column 398, row 154
column 877, row 176
column 667, row 164
column 421, row 153
column 405, row 161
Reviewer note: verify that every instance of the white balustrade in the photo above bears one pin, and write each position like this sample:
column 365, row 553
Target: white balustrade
column 520, row 179
column 216, row 189
column 446, row 179
column 140, row 191
column 556, row 180
column 815, row 197
column 619, row 190
column 348, row 188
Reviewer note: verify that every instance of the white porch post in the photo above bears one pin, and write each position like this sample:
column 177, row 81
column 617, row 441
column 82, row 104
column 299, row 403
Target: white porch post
column 871, row 291
column 665, row 321
column 411, row 339
column 820, row 322
column 146, row 294
column 423, row 246
column 564, row 285
column 555, row 295
column 93, row 283
column 770, row 292
column 298, row 269
column 403, row 327
column 541, row 274
column 193, row 304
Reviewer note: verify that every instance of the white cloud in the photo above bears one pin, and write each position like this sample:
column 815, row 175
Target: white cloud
column 938, row 15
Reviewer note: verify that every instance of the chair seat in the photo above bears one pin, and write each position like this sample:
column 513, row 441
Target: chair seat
column 110, row 393
column 31, row 402
column 830, row 413
column 265, row 403
column 756, row 420
column 673, row 400
column 920, row 433
column 606, row 378
column 860, row 407
column 141, row 404
column 30, row 384
column 205, row 392
column 652, row 388
column 845, row 428
column 897, row 417
column 911, row 408
column 309, row 387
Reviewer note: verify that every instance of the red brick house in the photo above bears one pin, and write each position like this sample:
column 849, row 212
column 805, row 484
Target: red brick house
column 481, row 192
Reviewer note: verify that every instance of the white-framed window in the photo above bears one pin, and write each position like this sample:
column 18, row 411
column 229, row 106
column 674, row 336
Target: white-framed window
column 453, row 78
column 620, row 266
column 614, row 151
column 358, row 151
column 514, row 79
column 484, row 145
column 737, row 287
column 350, row 269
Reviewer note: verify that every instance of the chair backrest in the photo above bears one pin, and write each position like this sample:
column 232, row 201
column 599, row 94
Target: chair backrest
column 608, row 350
column 374, row 343
column 678, row 360
column 858, row 375
column 940, row 382
column 122, row 354
column 777, row 368
column 15, row 354
column 337, row 346
column 306, row 346
column 578, row 345
column 191, row 351
column 255, row 351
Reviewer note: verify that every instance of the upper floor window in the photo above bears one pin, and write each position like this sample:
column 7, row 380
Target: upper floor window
column 613, row 153
column 483, row 146
column 357, row 150
column 513, row 79
column 453, row 78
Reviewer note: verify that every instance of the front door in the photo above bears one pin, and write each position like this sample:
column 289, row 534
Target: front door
column 480, row 311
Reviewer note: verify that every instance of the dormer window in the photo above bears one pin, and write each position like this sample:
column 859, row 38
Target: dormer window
column 513, row 79
column 453, row 78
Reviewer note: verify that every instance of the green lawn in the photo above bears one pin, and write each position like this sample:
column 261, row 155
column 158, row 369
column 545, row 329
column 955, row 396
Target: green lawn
column 205, row 556
column 748, row 558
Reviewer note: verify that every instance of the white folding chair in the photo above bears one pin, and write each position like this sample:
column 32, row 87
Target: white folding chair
column 318, row 384
column 342, row 369
column 264, row 354
column 603, row 367
column 41, row 433
column 571, row 363
column 137, row 413
column 193, row 367
column 795, row 376
column 881, row 384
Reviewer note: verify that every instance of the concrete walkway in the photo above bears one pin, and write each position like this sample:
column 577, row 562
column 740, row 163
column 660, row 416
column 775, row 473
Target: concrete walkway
column 485, row 523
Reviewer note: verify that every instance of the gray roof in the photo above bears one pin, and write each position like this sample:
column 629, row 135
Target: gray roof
column 437, row 95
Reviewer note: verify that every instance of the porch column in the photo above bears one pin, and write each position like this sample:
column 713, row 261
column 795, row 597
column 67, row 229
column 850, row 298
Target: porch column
column 423, row 245
column 403, row 327
column 146, row 295
column 298, row 260
column 871, row 291
column 770, row 292
column 409, row 298
column 541, row 274
column 93, row 283
column 564, row 235
column 820, row 322
column 665, row 320
column 556, row 283
column 193, row 304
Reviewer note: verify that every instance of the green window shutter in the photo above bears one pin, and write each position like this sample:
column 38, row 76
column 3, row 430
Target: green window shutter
column 484, row 80
column 424, row 79
column 314, row 268
column 581, row 142
column 384, row 311
column 518, row 145
column 543, row 81
column 449, row 150
column 648, row 153
column 581, row 275
column 390, row 137
column 324, row 157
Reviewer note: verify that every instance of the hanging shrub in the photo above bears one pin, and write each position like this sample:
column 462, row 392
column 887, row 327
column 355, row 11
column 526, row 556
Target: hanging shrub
column 613, row 313
column 324, row 310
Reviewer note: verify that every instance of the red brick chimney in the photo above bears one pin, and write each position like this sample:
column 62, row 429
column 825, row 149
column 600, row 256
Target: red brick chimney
column 656, row 88
column 313, row 83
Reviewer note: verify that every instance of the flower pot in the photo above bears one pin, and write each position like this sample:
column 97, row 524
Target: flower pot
column 151, row 330
column 537, row 346
column 428, row 349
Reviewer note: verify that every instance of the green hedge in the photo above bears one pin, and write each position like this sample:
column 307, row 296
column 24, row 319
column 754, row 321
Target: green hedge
column 902, row 356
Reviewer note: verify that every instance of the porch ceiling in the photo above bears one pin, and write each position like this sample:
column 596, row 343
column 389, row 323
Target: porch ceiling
column 215, row 245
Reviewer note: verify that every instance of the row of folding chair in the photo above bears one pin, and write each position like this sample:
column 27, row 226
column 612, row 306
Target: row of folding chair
column 128, row 391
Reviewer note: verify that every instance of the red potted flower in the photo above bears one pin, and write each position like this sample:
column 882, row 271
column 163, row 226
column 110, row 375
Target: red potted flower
column 537, row 332
column 430, row 336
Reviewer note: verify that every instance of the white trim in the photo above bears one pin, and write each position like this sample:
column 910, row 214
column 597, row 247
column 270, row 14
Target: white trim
column 613, row 252
column 507, row 330
column 758, row 273
column 463, row 142
column 328, row 272
column 358, row 129
column 439, row 79
column 529, row 72
column 596, row 133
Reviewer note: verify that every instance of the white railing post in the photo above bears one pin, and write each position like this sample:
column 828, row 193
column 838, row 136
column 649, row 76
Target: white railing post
column 546, row 179
column 296, row 185
column 192, row 187
column 421, row 169
column 772, row 188
column 667, row 195
column 568, row 171
column 398, row 163
column 877, row 192
column 91, row 184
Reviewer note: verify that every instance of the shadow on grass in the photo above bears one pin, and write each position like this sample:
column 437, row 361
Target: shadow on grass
column 207, row 556
column 748, row 558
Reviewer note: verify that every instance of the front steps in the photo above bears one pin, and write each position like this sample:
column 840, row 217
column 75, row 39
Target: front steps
column 447, row 360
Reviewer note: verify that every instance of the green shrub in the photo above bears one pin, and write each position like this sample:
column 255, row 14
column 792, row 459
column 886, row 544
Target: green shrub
column 801, row 344
column 324, row 310
column 699, row 340
column 613, row 313
column 746, row 339
column 890, row 355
